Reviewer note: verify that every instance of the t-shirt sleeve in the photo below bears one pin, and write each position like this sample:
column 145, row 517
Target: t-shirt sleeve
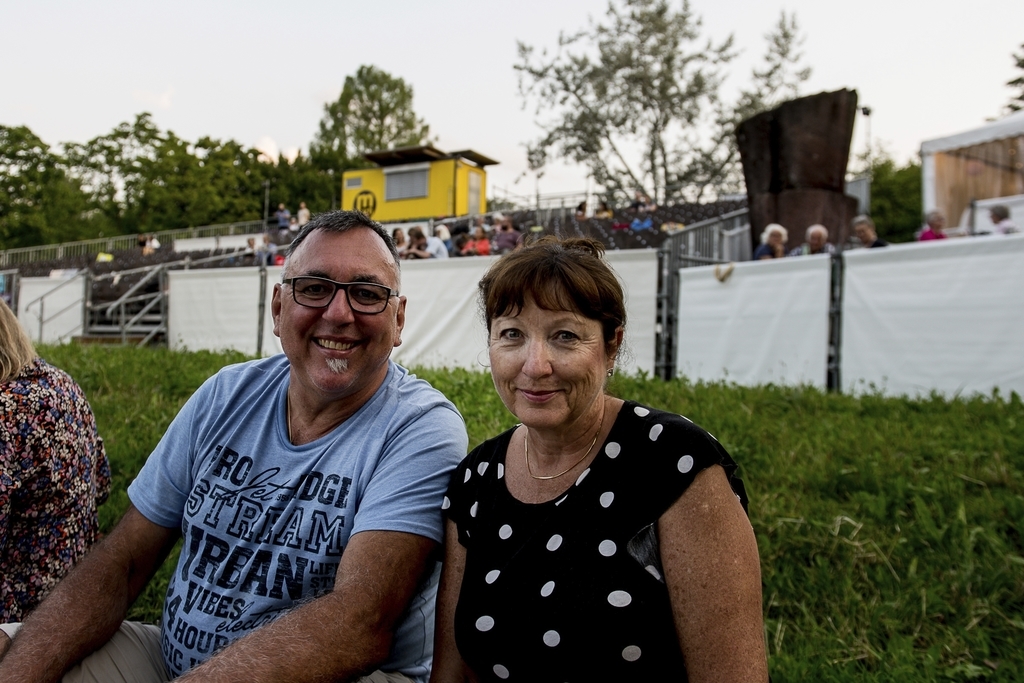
column 161, row 489
column 408, row 485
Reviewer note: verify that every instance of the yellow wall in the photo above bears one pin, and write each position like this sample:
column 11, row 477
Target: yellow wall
column 446, row 177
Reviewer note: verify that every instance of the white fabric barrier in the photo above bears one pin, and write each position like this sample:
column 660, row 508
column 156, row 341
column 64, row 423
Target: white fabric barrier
column 943, row 316
column 218, row 242
column 767, row 323
column 217, row 309
column 58, row 301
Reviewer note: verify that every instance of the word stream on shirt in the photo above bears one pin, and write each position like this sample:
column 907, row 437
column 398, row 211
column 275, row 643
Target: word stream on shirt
column 254, row 543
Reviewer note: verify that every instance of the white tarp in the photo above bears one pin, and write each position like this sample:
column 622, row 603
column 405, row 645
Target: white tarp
column 58, row 301
column 943, row 316
column 218, row 309
column 1007, row 127
column 766, row 323
column 217, row 242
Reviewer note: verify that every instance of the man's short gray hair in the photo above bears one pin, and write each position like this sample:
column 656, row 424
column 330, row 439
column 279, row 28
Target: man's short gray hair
column 863, row 219
column 934, row 215
column 343, row 221
column 1000, row 212
column 774, row 227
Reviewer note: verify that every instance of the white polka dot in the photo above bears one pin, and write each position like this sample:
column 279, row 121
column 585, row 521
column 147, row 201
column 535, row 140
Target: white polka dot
column 501, row 470
column 445, row 504
column 473, row 509
column 631, row 653
column 612, row 450
column 492, row 576
column 583, row 475
column 655, row 432
column 481, row 468
column 685, row 463
column 554, row 542
column 653, row 571
column 561, row 500
column 619, row 598
column 551, row 638
column 500, row 671
column 485, row 623
column 641, row 411
column 607, row 548
column 547, row 589
column 469, row 473
column 606, row 498
column 504, row 532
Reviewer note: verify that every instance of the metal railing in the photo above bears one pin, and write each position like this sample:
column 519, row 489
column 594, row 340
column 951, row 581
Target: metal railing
column 722, row 239
column 41, row 301
column 21, row 255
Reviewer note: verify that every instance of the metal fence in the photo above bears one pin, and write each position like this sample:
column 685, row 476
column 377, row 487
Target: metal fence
column 723, row 239
column 11, row 257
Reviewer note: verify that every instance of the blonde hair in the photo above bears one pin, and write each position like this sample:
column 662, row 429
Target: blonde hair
column 16, row 350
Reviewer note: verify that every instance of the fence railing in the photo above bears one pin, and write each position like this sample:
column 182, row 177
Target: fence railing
column 721, row 239
column 21, row 255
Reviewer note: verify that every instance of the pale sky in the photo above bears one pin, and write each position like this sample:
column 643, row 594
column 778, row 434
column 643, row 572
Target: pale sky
column 260, row 72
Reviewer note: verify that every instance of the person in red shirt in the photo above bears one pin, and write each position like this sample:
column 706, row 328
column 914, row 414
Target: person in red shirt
column 934, row 222
column 479, row 245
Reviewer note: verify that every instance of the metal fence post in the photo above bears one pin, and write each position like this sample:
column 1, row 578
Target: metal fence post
column 833, row 377
column 262, row 310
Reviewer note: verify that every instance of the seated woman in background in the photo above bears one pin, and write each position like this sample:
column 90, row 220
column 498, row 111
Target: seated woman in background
column 54, row 473
column 478, row 245
column 600, row 539
column 773, row 243
column 398, row 235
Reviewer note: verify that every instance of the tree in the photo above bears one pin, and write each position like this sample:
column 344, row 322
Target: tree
column 374, row 112
column 627, row 97
column 1017, row 101
column 39, row 202
column 781, row 77
column 895, row 198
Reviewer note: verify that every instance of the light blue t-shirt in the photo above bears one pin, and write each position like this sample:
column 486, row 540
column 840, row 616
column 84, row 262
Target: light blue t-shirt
column 265, row 522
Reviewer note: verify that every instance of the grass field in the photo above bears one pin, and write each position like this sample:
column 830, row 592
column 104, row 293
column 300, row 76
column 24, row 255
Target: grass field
column 889, row 529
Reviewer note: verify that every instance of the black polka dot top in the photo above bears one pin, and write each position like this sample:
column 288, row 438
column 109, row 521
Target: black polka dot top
column 572, row 589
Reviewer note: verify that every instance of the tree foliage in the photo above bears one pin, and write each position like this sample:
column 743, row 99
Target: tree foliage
column 895, row 198
column 1016, row 102
column 373, row 112
column 139, row 178
column 635, row 98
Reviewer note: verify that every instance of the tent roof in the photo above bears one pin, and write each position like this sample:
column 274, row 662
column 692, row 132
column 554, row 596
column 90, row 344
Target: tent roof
column 1008, row 127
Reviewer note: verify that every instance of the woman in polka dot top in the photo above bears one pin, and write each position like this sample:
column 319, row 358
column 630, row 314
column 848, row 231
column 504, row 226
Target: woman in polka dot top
column 599, row 539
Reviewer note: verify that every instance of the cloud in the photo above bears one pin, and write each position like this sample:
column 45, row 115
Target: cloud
column 154, row 100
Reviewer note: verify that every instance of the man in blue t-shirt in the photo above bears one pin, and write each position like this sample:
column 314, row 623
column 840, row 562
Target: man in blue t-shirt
column 306, row 489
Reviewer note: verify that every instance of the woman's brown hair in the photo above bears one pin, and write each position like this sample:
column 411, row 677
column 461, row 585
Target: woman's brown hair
column 568, row 275
column 16, row 349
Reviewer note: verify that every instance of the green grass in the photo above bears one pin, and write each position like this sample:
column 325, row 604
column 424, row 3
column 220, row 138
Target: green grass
column 888, row 528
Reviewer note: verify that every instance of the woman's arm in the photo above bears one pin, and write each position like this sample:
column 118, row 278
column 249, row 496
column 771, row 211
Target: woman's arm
column 709, row 555
column 448, row 666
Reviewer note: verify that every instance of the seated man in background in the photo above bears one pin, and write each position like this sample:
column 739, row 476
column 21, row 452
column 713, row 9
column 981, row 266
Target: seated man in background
column 307, row 488
column 817, row 242
column 54, row 473
column 864, row 228
column 934, row 222
column 1001, row 224
column 422, row 247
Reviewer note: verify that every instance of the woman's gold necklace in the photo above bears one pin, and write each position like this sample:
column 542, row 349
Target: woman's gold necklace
column 526, row 444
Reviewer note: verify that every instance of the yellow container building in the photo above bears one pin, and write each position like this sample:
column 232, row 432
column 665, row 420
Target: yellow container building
column 411, row 183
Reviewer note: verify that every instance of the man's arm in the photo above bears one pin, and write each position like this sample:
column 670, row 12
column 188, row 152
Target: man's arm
column 338, row 636
column 88, row 606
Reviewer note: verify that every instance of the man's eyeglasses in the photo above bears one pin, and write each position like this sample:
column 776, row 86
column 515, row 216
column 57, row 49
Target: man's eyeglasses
column 318, row 292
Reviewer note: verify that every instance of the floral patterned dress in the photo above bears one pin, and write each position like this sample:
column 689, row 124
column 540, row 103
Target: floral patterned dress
column 54, row 473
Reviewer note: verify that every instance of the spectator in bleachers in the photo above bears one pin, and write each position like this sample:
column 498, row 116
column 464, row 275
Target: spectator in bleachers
column 603, row 212
column 398, row 237
column 423, row 247
column 1001, row 224
column 293, row 227
column 642, row 202
column 266, row 251
column 303, row 216
column 581, row 210
column 283, row 217
column 441, row 232
column 932, row 230
column 773, row 243
column 817, row 242
column 864, row 228
column 507, row 238
column 478, row 245
column 142, row 239
column 54, row 473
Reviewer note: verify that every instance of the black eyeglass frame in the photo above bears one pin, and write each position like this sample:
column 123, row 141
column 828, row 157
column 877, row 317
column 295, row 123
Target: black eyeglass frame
column 290, row 281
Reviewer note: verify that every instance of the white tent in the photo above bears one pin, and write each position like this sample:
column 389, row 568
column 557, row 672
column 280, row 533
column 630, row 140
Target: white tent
column 982, row 163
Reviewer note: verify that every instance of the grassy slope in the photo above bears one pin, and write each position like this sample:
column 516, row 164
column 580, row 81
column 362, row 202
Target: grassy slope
column 888, row 528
